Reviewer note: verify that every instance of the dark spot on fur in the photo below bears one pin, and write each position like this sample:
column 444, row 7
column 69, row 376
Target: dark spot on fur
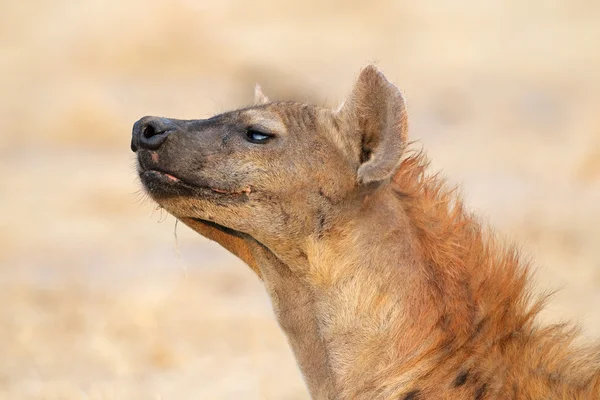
column 461, row 379
column 284, row 214
column 321, row 226
column 444, row 321
column 225, row 139
column 479, row 327
column 326, row 197
column 515, row 390
column 480, row 392
column 412, row 395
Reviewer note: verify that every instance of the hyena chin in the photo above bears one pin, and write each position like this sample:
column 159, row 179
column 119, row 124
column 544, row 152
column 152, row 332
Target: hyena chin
column 384, row 285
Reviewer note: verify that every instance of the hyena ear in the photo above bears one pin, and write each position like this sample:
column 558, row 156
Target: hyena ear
column 376, row 116
column 259, row 96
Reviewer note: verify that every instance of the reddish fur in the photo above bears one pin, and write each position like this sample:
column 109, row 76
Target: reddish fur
column 480, row 288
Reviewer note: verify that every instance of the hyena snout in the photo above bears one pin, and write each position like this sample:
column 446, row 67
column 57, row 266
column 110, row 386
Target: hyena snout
column 151, row 132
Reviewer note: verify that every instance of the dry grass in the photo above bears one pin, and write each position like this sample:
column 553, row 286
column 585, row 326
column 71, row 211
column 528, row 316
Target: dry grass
column 96, row 303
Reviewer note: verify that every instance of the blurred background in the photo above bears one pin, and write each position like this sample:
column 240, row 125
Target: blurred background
column 99, row 298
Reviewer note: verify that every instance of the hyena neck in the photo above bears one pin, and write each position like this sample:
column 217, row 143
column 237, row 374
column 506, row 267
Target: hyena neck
column 398, row 317
column 293, row 304
column 371, row 302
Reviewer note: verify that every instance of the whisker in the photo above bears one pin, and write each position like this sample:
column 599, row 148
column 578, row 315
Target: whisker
column 177, row 249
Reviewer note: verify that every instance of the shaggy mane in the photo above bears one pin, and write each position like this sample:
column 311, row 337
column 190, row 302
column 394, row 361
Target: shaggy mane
column 481, row 286
column 479, row 282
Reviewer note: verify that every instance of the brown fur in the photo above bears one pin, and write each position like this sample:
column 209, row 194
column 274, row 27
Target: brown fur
column 384, row 285
column 480, row 288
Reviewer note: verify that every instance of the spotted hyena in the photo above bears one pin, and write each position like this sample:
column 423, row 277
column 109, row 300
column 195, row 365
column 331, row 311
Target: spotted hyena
column 384, row 285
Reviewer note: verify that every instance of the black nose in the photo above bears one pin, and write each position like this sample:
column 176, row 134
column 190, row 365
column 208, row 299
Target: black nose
column 150, row 132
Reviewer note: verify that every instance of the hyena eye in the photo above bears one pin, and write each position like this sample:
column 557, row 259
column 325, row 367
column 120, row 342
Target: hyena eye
column 258, row 137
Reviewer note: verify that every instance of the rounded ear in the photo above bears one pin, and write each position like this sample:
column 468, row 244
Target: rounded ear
column 259, row 96
column 376, row 115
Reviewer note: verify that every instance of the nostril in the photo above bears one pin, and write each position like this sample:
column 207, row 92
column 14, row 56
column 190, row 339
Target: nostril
column 149, row 130
column 156, row 126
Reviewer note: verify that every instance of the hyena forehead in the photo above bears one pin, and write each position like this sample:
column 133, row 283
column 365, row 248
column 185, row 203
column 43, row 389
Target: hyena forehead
column 284, row 116
column 263, row 118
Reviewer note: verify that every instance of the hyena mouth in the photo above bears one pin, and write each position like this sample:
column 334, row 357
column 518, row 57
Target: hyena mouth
column 246, row 190
column 164, row 175
column 152, row 177
column 160, row 183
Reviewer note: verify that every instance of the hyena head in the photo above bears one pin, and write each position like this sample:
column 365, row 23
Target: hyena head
column 276, row 170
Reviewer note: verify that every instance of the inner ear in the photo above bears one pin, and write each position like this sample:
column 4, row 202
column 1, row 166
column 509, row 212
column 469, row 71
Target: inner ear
column 259, row 96
column 375, row 114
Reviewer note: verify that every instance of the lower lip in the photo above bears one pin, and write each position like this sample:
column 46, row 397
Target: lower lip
column 163, row 175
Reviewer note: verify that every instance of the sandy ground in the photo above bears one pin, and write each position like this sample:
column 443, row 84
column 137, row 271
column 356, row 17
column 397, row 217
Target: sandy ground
column 99, row 299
